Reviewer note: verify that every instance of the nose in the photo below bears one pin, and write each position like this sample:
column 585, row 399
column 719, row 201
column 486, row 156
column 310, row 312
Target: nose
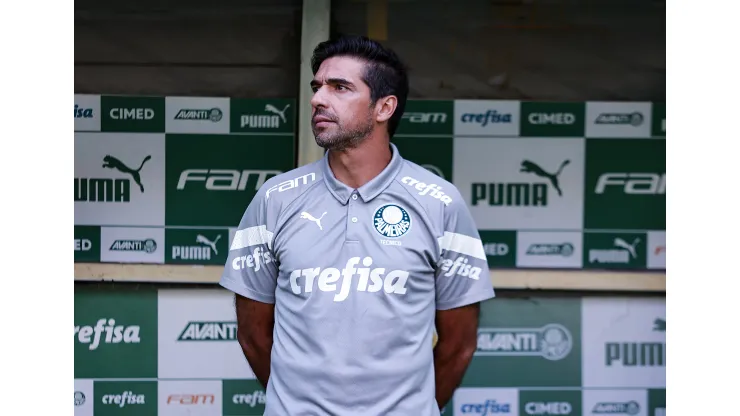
column 319, row 98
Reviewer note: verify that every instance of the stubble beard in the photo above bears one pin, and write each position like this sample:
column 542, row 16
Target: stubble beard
column 342, row 138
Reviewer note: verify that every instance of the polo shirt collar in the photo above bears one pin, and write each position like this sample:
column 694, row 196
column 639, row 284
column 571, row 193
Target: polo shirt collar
column 368, row 191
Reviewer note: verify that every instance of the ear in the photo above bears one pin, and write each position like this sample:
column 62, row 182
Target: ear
column 385, row 107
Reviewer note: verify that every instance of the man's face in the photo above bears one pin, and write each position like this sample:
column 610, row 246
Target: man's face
column 341, row 112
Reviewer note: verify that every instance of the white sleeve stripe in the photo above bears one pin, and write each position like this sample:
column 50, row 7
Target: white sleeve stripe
column 462, row 244
column 251, row 236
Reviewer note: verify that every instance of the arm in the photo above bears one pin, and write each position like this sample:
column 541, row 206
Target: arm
column 255, row 321
column 462, row 282
column 251, row 273
column 458, row 331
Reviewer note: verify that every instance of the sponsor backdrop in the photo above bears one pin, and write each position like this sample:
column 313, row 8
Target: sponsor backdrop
column 550, row 185
column 174, row 352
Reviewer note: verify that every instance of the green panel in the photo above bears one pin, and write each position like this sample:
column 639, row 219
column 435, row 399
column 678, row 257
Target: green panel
column 427, row 117
column 132, row 114
column 545, row 119
column 87, row 244
column 625, row 184
column 533, row 342
column 500, row 248
column 658, row 119
column 263, row 116
column 196, row 246
column 656, row 402
column 211, row 179
column 433, row 153
column 615, row 251
column 243, row 398
column 113, row 398
column 550, row 402
column 115, row 334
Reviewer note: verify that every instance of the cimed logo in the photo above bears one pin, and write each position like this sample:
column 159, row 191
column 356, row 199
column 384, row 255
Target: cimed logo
column 391, row 221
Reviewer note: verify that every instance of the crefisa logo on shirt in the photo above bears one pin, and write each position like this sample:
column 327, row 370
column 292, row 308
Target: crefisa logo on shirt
column 391, row 221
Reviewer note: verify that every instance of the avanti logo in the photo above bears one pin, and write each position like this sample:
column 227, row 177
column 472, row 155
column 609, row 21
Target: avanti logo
column 148, row 245
column 552, row 342
column 622, row 252
column 81, row 112
column 631, row 408
column 226, row 179
column 201, row 251
column 110, row 189
column 214, row 114
column 636, row 183
column 520, row 194
column 637, row 354
column 209, row 331
column 114, row 334
column 620, row 119
column 550, row 249
column 367, row 280
column 272, row 120
column 123, row 399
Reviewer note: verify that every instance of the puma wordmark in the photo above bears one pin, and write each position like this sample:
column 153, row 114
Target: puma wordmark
column 367, row 279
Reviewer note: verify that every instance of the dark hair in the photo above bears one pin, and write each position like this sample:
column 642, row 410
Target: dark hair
column 385, row 74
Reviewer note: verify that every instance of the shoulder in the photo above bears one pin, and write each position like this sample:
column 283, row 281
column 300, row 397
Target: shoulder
column 430, row 189
column 279, row 191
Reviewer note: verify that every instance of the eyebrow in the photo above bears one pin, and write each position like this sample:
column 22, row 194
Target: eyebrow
column 340, row 81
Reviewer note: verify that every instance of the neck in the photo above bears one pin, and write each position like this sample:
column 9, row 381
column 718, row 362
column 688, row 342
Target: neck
column 357, row 166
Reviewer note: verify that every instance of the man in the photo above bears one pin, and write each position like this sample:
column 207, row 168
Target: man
column 342, row 267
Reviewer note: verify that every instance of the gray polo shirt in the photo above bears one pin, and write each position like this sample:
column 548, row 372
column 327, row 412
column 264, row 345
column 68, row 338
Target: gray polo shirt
column 356, row 276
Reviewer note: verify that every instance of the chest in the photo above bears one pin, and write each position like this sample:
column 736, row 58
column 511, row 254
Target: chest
column 385, row 246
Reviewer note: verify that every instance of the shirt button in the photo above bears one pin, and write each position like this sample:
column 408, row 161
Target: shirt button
column 354, row 196
column 354, row 219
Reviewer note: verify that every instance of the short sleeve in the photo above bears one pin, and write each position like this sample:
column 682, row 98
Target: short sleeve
column 250, row 269
column 462, row 275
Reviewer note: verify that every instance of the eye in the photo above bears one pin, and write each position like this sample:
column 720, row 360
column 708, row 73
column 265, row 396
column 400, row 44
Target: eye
column 341, row 87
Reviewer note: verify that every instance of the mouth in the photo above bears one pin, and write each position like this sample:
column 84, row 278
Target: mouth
column 320, row 121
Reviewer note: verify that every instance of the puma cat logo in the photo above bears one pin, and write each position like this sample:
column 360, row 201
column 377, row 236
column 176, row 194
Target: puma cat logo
column 212, row 244
column 271, row 108
column 111, row 162
column 306, row 216
column 531, row 167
